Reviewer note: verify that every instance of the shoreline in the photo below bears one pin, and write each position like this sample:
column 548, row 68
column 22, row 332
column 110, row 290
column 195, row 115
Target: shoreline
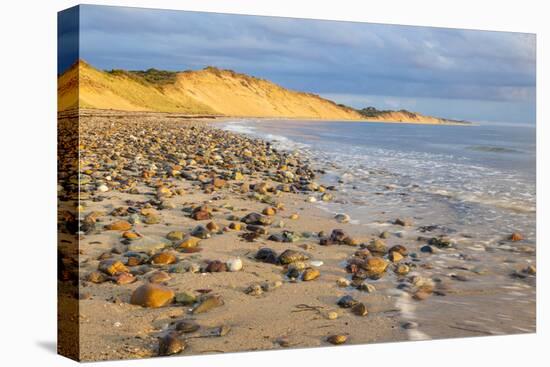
column 401, row 305
column 214, row 118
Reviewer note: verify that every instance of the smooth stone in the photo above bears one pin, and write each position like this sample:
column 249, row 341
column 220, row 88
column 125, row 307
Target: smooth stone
column 343, row 282
column 332, row 315
column 163, row 258
column 405, row 222
column 267, row 255
column 377, row 247
column 209, row 303
column 112, row 267
column 347, row 302
column 366, row 287
column 316, row 263
column 311, row 274
column 410, row 325
column 189, row 242
column 254, row 290
column 124, row 278
column 516, row 236
column 269, row 211
column 375, row 267
column 234, row 264
column 402, row 250
column 290, row 256
column 146, row 245
column 170, row 344
column 152, row 295
column 96, row 277
column 159, row 277
column 102, row 188
column 175, row 236
column 120, row 225
column 200, row 232
column 384, row 235
column 359, row 309
column 258, row 219
column 402, row 269
column 185, row 298
column 216, row 266
column 152, row 219
column 129, row 235
column 212, row 227
column 337, row 339
column 342, row 218
column 187, row 327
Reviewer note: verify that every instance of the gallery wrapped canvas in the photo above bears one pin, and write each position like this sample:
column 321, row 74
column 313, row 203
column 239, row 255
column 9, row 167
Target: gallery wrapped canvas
column 232, row 183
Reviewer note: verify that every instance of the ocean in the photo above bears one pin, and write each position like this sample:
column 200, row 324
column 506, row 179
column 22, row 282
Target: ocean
column 477, row 180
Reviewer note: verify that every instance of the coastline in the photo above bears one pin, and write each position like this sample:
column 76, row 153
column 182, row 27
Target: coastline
column 276, row 318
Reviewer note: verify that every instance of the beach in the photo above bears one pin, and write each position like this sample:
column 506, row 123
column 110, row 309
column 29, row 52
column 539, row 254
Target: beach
column 197, row 237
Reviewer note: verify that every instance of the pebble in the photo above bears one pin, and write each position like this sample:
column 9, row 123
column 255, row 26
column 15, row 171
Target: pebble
column 159, row 277
column 267, row 255
column 311, row 274
column 254, row 290
column 185, row 298
column 152, row 295
column 375, row 267
column 359, row 309
column 120, row 225
column 347, row 302
column 102, row 188
column 163, row 258
column 332, row 315
column 208, row 303
column 516, row 236
column 403, row 222
column 343, row 282
column 112, row 267
column 189, row 242
column 175, row 236
column 170, row 344
column 337, row 339
column 216, row 266
column 410, row 325
column 187, row 327
column 234, row 265
column 290, row 256
column 146, row 245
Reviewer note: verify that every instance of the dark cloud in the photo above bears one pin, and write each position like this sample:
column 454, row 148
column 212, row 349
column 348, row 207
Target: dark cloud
column 326, row 57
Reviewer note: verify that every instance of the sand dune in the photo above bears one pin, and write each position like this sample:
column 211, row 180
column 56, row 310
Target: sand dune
column 210, row 91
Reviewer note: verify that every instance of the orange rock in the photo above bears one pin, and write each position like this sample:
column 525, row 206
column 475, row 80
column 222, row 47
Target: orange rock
column 113, row 267
column 235, row 226
column 516, row 236
column 375, row 267
column 120, row 225
column 219, row 183
column 152, row 295
column 159, row 277
column 131, row 235
column 212, row 227
column 163, row 258
column 124, row 278
column 269, row 211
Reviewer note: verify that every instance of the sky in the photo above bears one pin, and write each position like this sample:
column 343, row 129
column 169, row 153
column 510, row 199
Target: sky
column 462, row 74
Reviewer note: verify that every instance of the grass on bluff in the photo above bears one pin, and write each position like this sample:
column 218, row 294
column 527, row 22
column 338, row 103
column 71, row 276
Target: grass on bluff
column 149, row 76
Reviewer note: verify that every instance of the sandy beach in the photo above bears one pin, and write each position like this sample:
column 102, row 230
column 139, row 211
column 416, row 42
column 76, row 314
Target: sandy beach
column 188, row 239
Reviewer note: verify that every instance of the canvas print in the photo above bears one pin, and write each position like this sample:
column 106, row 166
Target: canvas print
column 232, row 183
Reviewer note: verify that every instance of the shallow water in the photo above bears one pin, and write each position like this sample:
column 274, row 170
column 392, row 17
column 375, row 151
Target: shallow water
column 476, row 179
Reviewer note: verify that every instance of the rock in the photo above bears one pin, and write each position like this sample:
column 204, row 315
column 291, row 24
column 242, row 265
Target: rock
column 235, row 226
column 384, row 235
column 152, row 219
column 186, row 327
column 96, row 277
column 290, row 256
column 516, row 236
column 409, row 325
column 403, row 222
column 402, row 269
column 377, row 247
column 163, row 258
column 234, row 264
column 170, row 344
column 146, row 245
column 216, row 266
column 201, row 213
column 175, row 236
column 159, row 277
column 221, row 330
column 294, row 216
column 219, row 183
column 259, row 230
column 366, row 287
column 120, row 225
column 212, row 227
column 256, row 218
column 311, row 199
column 326, row 197
column 185, row 298
column 347, row 302
column 343, row 282
column 342, row 218
column 102, row 188
column 254, row 290
column 311, row 274
column 130, row 235
column 359, row 309
column 427, row 249
column 152, row 295
column 112, row 267
column 189, row 242
column 200, row 232
column 440, row 242
column 531, row 270
column 267, row 255
column 124, row 278
column 337, row 339
column 332, row 315
column 375, row 267
column 402, row 250
column 208, row 303
column 316, row 263
column 270, row 211
column 395, row 257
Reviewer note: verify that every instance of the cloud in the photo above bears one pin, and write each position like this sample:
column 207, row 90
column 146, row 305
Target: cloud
column 317, row 56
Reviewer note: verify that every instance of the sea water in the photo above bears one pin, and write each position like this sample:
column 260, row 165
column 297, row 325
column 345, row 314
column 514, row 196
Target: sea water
column 477, row 179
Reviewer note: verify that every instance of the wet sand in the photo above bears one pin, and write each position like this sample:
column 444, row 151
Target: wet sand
column 134, row 170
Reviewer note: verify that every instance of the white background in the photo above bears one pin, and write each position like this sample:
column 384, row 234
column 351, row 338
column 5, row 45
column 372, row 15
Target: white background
column 28, row 181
